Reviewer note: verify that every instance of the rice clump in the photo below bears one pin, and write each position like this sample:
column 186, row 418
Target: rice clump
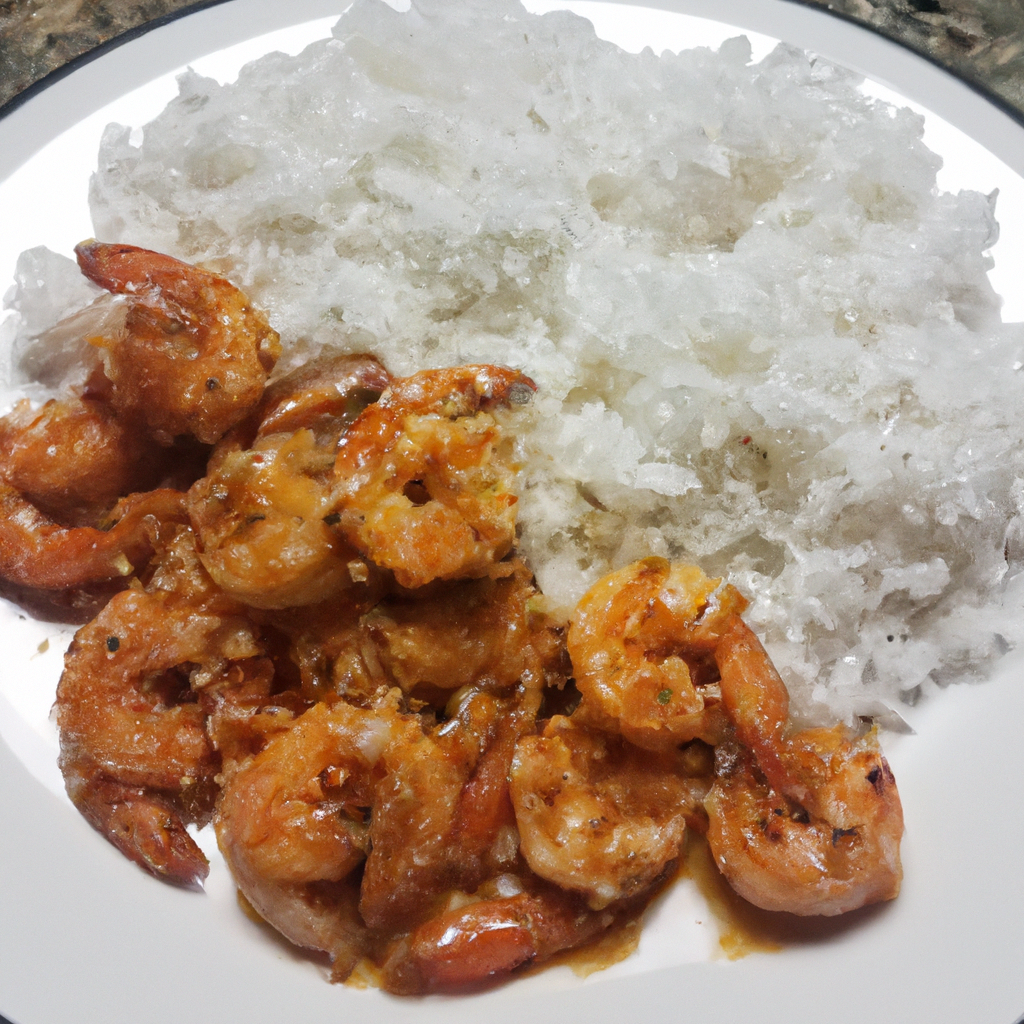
column 764, row 341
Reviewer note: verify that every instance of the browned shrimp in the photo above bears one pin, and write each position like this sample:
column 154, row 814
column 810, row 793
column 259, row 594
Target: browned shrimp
column 809, row 823
column 193, row 356
column 421, row 487
column 442, row 818
column 486, row 632
column 37, row 552
column 291, row 823
column 596, row 815
column 73, row 457
column 471, row 945
column 260, row 511
column 129, row 723
column 641, row 641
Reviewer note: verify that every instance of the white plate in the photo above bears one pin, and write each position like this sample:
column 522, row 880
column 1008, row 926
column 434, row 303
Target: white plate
column 85, row 937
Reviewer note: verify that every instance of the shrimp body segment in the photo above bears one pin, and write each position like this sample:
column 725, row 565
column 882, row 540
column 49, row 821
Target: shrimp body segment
column 421, row 487
column 37, row 552
column 193, row 356
column 809, row 823
column 72, row 456
column 291, row 821
column 597, row 816
column 129, row 720
column 641, row 641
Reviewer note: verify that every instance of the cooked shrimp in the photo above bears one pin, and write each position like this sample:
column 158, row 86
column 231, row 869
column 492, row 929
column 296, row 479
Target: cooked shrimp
column 810, row 823
column 37, row 552
column 291, row 823
column 442, row 817
column 471, row 945
column 73, row 457
column 128, row 717
column 193, row 356
column 596, row 815
column 487, row 632
column 421, row 487
column 323, row 395
column 259, row 517
column 260, row 510
column 641, row 641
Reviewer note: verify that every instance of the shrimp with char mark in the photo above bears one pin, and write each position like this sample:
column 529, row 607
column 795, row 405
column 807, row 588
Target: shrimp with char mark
column 193, row 356
column 808, row 823
column 421, row 487
column 641, row 641
column 131, row 731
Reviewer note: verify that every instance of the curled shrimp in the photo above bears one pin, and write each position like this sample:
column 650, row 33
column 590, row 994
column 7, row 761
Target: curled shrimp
column 134, row 748
column 193, row 355
column 39, row 553
column 72, row 457
column 471, row 945
column 291, row 822
column 598, row 816
column 808, row 823
column 260, row 511
column 442, row 817
column 421, row 487
column 641, row 641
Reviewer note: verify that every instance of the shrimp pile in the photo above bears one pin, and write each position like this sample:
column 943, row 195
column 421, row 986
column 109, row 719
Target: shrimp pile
column 309, row 625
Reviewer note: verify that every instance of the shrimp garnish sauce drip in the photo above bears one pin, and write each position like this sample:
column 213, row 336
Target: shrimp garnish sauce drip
column 421, row 486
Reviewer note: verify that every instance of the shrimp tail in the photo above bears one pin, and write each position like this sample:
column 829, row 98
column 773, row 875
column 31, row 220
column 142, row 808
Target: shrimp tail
column 145, row 826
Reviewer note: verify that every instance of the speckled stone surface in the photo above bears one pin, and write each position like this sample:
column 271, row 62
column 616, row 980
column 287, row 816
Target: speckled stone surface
column 980, row 40
column 40, row 36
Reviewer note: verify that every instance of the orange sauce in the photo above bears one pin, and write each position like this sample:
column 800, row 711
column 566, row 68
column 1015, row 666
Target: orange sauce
column 744, row 928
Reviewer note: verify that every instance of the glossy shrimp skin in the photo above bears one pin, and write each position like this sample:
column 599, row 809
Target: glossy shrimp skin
column 130, row 726
column 73, row 457
column 641, row 641
column 259, row 511
column 193, row 356
column 421, row 488
column 808, row 823
column 291, row 822
column 37, row 552
column 470, row 946
column 598, row 816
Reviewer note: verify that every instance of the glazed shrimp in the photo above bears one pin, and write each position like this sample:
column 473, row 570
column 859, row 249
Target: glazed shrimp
column 469, row 946
column 193, row 356
column 641, row 641
column 260, row 511
column 442, row 818
column 73, row 458
column 810, row 823
column 129, row 724
column 420, row 486
column 291, row 822
column 598, row 816
column 37, row 552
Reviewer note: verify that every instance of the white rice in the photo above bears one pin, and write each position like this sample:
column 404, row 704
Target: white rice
column 764, row 341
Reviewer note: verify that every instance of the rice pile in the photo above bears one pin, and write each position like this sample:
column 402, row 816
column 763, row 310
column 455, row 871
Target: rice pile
column 764, row 341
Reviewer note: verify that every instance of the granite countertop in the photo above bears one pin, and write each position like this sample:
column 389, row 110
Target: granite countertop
column 980, row 40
